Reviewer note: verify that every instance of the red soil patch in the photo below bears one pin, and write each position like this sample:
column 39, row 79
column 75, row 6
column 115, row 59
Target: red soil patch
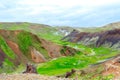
column 112, row 67
column 37, row 56
column 52, row 48
column 16, row 50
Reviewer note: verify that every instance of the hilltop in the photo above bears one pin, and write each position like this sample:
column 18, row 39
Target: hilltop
column 112, row 25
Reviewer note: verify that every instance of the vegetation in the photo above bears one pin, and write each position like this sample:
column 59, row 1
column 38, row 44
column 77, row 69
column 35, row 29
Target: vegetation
column 37, row 45
column 6, row 49
column 24, row 41
column 85, row 56
column 15, row 26
column 82, row 59
column 7, row 66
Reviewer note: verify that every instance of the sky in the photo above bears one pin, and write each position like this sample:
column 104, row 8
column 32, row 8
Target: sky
column 76, row 13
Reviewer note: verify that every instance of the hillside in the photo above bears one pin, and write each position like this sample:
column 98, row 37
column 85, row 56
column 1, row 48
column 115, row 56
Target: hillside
column 110, row 26
column 23, row 47
column 55, row 51
column 41, row 30
column 109, row 38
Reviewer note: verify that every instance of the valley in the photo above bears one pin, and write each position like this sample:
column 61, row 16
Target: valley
column 92, row 52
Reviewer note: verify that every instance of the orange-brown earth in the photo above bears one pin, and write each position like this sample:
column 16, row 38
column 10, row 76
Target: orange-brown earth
column 104, row 68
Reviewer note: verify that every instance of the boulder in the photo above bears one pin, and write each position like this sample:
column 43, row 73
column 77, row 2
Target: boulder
column 30, row 69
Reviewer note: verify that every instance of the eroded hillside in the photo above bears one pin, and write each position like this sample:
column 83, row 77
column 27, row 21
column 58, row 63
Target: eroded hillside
column 108, row 38
column 21, row 47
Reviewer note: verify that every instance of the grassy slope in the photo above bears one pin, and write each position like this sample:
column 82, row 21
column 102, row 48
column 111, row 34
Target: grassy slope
column 24, row 40
column 41, row 30
column 85, row 57
column 6, row 49
column 109, row 26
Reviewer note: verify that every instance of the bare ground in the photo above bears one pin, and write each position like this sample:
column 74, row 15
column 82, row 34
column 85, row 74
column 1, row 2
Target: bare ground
column 28, row 77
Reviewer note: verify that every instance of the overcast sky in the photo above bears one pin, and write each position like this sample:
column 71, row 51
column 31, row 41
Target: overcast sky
column 79, row 13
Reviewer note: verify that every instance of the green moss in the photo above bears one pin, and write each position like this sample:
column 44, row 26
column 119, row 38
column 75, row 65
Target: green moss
column 6, row 49
column 82, row 59
column 15, row 26
column 20, row 26
column 7, row 66
column 52, row 72
column 24, row 41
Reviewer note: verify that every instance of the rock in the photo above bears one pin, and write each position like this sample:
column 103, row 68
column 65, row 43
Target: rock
column 37, row 56
column 30, row 69
column 68, row 74
column 111, row 38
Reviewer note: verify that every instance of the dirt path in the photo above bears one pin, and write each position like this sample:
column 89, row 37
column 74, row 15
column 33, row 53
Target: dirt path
column 28, row 77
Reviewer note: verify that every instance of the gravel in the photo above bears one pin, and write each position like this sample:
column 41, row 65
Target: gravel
column 29, row 77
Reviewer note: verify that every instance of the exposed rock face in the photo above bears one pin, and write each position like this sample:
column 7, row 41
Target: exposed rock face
column 37, row 56
column 109, row 67
column 66, row 51
column 111, row 37
column 112, row 67
column 71, row 36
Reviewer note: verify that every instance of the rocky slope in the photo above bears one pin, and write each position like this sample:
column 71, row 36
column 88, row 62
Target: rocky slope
column 108, row 38
column 109, row 67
